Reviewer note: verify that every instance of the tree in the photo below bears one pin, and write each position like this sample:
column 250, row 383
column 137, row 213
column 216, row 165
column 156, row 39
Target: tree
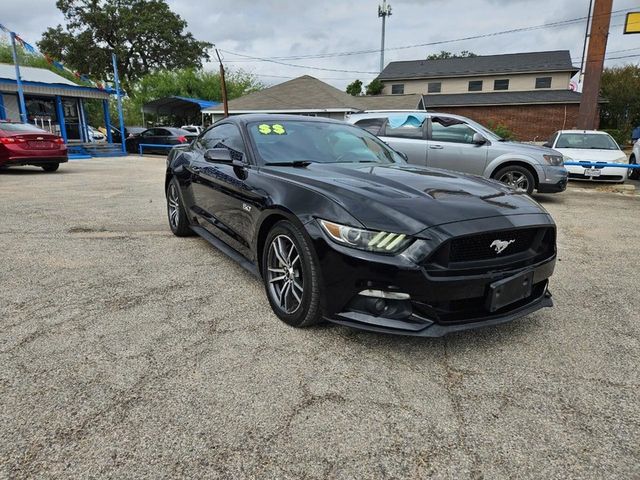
column 355, row 88
column 444, row 55
column 144, row 34
column 620, row 86
column 375, row 87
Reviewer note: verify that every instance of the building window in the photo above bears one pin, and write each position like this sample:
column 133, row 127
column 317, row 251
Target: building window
column 397, row 89
column 475, row 86
column 543, row 82
column 501, row 84
column 434, row 87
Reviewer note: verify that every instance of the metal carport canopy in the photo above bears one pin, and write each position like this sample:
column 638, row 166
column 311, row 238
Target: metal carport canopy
column 176, row 105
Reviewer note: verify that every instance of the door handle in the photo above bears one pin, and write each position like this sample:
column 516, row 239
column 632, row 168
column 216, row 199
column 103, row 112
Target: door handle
column 436, row 147
column 195, row 169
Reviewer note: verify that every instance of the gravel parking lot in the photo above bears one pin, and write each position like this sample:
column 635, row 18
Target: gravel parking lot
column 126, row 352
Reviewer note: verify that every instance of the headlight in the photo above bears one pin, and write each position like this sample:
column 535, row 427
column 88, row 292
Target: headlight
column 555, row 160
column 622, row 159
column 382, row 242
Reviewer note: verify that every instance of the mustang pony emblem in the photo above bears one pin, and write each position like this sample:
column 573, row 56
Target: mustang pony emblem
column 500, row 245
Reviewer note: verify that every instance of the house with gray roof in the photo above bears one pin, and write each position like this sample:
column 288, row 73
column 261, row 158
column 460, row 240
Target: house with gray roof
column 307, row 95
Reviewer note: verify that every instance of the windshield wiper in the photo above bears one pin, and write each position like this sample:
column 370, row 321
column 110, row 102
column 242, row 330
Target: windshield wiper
column 295, row 163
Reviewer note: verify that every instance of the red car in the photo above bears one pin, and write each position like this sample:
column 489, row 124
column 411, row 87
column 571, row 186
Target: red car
column 25, row 144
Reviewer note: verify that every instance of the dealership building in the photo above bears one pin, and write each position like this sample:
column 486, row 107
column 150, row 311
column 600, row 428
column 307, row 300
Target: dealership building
column 53, row 102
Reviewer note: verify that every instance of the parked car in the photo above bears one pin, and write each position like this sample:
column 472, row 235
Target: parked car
column 96, row 136
column 128, row 132
column 25, row 144
column 197, row 129
column 590, row 146
column 160, row 136
column 458, row 143
column 340, row 227
column 634, row 159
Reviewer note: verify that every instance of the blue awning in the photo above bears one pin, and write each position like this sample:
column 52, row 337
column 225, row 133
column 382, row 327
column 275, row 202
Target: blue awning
column 177, row 105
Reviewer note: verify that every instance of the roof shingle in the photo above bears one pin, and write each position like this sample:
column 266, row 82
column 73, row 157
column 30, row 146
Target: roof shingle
column 557, row 60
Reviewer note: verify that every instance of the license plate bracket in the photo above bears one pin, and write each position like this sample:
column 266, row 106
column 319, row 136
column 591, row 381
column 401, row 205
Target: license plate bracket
column 592, row 172
column 509, row 290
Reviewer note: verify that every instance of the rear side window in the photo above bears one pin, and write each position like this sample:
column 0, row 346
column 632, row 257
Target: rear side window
column 405, row 126
column 371, row 125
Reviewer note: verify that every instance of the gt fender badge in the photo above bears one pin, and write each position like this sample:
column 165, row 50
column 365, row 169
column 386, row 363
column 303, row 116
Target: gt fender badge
column 246, row 208
column 500, row 245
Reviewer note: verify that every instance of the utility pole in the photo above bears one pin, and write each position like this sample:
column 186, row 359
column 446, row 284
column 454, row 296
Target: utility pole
column 588, row 113
column 223, row 84
column 584, row 47
column 23, row 107
column 384, row 11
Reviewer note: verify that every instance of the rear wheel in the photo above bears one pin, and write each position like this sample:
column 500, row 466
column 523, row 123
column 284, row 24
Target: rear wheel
column 178, row 220
column 50, row 167
column 291, row 276
column 633, row 173
column 517, row 177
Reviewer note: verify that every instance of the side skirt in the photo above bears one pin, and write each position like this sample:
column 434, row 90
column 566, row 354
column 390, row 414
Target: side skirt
column 227, row 250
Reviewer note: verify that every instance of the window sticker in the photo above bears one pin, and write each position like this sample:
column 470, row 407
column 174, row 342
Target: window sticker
column 275, row 129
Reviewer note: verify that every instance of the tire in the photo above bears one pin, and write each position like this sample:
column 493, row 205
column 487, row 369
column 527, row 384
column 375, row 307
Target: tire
column 50, row 167
column 178, row 221
column 633, row 173
column 298, row 304
column 517, row 177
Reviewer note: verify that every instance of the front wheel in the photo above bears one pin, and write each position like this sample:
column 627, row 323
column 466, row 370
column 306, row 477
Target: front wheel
column 50, row 167
column 178, row 220
column 291, row 276
column 517, row 177
column 633, row 173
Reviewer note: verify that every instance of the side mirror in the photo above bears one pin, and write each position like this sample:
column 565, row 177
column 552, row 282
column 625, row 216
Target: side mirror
column 218, row 155
column 403, row 155
column 479, row 139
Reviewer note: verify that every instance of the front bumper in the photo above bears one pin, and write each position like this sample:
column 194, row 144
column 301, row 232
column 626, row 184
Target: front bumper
column 553, row 180
column 438, row 303
column 607, row 174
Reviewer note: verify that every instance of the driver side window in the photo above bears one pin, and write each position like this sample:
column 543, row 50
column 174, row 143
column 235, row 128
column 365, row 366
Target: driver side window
column 456, row 133
column 224, row 136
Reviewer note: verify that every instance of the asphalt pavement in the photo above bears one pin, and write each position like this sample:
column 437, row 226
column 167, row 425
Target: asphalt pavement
column 126, row 352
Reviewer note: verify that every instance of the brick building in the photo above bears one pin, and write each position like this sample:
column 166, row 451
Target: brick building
column 526, row 92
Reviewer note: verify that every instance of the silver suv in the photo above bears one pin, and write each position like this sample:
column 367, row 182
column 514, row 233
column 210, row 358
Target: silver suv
column 452, row 142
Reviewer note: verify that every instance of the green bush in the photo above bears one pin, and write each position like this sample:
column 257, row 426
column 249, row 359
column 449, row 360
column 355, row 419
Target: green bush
column 620, row 135
column 502, row 131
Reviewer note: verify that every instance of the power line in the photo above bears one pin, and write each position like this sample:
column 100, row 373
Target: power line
column 559, row 23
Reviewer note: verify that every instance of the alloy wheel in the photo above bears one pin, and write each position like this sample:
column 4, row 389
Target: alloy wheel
column 284, row 274
column 174, row 206
column 515, row 180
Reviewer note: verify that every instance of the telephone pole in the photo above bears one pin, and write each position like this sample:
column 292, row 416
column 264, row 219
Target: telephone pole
column 588, row 113
column 223, row 85
column 384, row 11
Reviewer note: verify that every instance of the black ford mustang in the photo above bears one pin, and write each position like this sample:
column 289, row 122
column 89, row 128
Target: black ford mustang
column 340, row 227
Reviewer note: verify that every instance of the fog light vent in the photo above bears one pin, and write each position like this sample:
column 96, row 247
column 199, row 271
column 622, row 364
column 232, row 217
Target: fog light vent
column 387, row 295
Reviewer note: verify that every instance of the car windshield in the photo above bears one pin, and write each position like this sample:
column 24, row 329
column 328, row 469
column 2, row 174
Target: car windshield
column 594, row 141
column 291, row 141
column 20, row 127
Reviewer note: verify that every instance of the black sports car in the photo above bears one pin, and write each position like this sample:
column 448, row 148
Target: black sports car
column 340, row 227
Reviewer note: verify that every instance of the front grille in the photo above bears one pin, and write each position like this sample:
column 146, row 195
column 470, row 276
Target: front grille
column 476, row 254
column 486, row 245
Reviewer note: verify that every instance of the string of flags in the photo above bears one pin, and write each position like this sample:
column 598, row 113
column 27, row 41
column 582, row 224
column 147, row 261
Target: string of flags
column 30, row 49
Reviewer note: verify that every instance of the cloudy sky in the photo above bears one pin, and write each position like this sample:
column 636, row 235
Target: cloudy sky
column 290, row 31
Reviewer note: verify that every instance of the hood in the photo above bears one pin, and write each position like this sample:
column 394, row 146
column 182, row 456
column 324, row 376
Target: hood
column 526, row 148
column 408, row 198
column 593, row 154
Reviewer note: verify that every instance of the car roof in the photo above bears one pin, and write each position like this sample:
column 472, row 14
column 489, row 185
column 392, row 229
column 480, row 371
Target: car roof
column 588, row 132
column 386, row 113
